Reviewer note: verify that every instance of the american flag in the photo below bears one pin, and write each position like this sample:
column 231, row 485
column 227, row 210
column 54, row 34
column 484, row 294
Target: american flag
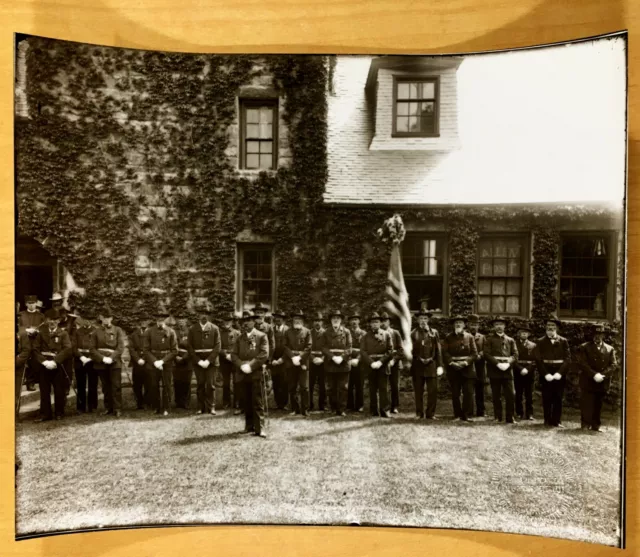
column 398, row 300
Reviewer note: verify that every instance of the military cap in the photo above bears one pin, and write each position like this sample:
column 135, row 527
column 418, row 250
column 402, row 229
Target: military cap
column 279, row 313
column 524, row 328
column 424, row 311
column 105, row 311
column 474, row 318
column 317, row 316
column 297, row 313
column 458, row 318
column 355, row 314
column 498, row 318
column 260, row 307
column 247, row 316
column 384, row 315
column 52, row 314
column 553, row 318
column 31, row 299
column 228, row 316
column 56, row 297
column 336, row 313
column 171, row 321
column 598, row 328
column 375, row 316
column 161, row 313
column 39, row 304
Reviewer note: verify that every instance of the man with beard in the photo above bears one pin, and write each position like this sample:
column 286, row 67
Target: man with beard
column 86, row 375
column 30, row 320
column 228, row 337
column 278, row 365
column 396, row 364
column 376, row 351
column 459, row 353
column 52, row 348
column 141, row 378
column 552, row 357
column 297, row 348
column 336, row 347
column 160, row 348
column 316, row 367
column 355, row 388
column 250, row 352
column 107, row 345
column 501, row 353
column 524, row 373
column 480, row 365
column 204, row 346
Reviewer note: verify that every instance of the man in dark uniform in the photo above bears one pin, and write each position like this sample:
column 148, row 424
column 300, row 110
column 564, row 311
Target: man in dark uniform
column 336, row 346
column 160, row 347
column 278, row 366
column 480, row 365
column 86, row 375
column 107, row 345
column 552, row 357
column 183, row 368
column 30, row 320
column 524, row 373
column 426, row 366
column 68, row 323
column 376, row 351
column 597, row 361
column 316, row 366
column 141, row 378
column 297, row 349
column 228, row 336
column 396, row 365
column 355, row 388
column 459, row 353
column 250, row 352
column 52, row 348
column 57, row 300
column 501, row 354
column 204, row 345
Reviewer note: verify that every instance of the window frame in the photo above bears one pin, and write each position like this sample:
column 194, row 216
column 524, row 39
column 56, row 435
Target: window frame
column 612, row 274
column 251, row 102
column 444, row 237
column 241, row 248
column 435, row 79
column 525, row 293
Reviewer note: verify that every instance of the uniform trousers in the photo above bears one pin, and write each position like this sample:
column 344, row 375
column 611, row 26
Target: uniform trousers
column 226, row 369
column 430, row 384
column 111, row 379
column 479, row 386
column 524, row 389
column 141, row 386
column 298, row 380
column 280, row 388
column 552, row 394
column 338, row 384
column 20, row 371
column 52, row 378
column 394, row 384
column 591, row 407
column 461, row 385
column 182, row 374
column 355, row 388
column 206, row 387
column 253, row 404
column 86, row 387
column 503, row 387
column 317, row 376
column 379, row 390
column 161, row 376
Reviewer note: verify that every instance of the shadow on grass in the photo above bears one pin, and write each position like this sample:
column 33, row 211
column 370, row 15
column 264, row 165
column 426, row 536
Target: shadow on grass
column 214, row 438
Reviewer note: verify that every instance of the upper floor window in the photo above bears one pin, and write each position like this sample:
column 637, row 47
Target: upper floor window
column 415, row 107
column 585, row 275
column 258, row 134
column 423, row 265
column 501, row 275
column 255, row 275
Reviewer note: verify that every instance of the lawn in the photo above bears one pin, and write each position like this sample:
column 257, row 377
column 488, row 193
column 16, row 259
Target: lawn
column 90, row 471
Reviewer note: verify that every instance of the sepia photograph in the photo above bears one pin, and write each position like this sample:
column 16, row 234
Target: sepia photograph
column 373, row 290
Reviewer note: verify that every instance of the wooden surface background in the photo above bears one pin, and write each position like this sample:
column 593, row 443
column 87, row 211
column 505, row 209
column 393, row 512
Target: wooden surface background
column 327, row 26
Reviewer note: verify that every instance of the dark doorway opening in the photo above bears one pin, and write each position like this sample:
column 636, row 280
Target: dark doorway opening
column 34, row 279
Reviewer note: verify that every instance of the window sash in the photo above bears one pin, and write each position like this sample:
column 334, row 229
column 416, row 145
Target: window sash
column 431, row 255
column 262, row 283
column 258, row 134
column 410, row 97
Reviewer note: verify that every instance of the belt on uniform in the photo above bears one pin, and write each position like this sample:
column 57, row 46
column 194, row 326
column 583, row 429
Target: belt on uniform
column 355, row 350
column 553, row 361
column 84, row 350
column 106, row 351
column 458, row 358
column 501, row 358
column 297, row 353
column 182, row 350
column 526, row 361
column 154, row 352
column 203, row 350
column 316, row 353
column 337, row 351
column 50, row 354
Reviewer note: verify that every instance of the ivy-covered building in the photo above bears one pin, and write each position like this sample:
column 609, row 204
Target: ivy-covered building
column 146, row 178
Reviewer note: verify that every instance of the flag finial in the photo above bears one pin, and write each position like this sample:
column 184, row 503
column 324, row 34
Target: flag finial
column 392, row 230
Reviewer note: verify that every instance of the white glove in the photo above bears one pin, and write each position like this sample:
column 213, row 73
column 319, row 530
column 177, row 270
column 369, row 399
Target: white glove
column 337, row 360
column 84, row 360
column 206, row 363
column 158, row 364
column 557, row 376
column 107, row 360
column 48, row 364
column 439, row 371
column 140, row 362
column 354, row 362
column 376, row 365
column 296, row 360
column 304, row 367
column 277, row 362
column 548, row 377
column 504, row 366
column 31, row 330
column 598, row 378
column 317, row 360
column 524, row 371
column 201, row 363
column 228, row 357
column 245, row 368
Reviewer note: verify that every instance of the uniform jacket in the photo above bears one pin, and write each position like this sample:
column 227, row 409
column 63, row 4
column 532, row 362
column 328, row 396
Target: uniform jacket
column 81, row 342
column 297, row 342
column 267, row 330
column 356, row 337
column 23, row 349
column 340, row 341
column 200, row 340
column 427, row 352
column 159, row 344
column 183, row 350
column 396, row 340
column 251, row 348
column 228, row 338
column 556, row 350
column 28, row 319
column 526, row 355
column 456, row 346
column 136, row 346
column 56, row 341
column 378, row 347
column 316, row 343
column 113, row 339
column 499, row 347
column 279, row 334
column 596, row 359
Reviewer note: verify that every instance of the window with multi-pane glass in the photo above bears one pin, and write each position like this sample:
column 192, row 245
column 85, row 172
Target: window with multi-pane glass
column 416, row 108
column 258, row 135
column 255, row 269
column 423, row 260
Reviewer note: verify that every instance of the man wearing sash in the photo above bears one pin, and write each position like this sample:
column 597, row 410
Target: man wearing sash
column 297, row 348
column 376, row 351
column 160, row 349
column 355, row 389
column 501, row 353
column 204, row 345
column 336, row 347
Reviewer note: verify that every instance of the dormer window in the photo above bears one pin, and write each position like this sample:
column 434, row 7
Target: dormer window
column 415, row 107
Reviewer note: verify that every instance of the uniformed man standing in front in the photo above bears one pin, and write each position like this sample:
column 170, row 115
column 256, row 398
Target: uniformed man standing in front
column 426, row 366
column 459, row 353
column 355, row 388
column 501, row 353
column 297, row 349
column 86, row 375
column 278, row 364
column 280, row 391
column 376, row 351
column 552, row 357
column 107, row 345
column 480, row 365
column 396, row 365
column 160, row 349
column 204, row 345
column 250, row 352
column 524, row 373
column 316, row 367
column 228, row 336
column 183, row 369
column 30, row 320
column 336, row 347
column 141, row 378
column 597, row 361
column 52, row 348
